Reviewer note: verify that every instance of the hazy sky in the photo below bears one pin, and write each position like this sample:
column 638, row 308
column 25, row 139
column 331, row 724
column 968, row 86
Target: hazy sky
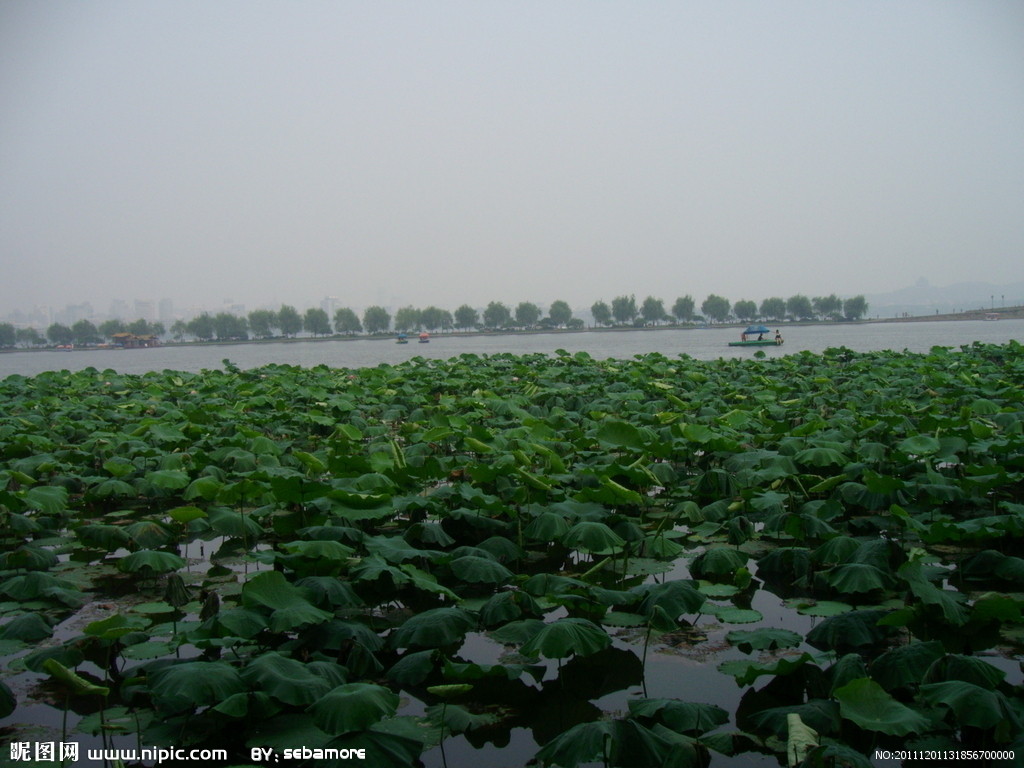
column 447, row 152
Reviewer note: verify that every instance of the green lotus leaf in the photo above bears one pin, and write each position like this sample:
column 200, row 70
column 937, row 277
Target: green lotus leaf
column 114, row 626
column 675, row 598
column 681, row 716
column 284, row 679
column 168, row 479
column 37, row 585
column 503, row 607
column 478, row 570
column 622, row 434
column 905, row 666
column 592, row 537
column 547, row 526
column 26, row 628
column 291, row 609
column 821, row 457
column 187, row 685
column 848, row 667
column 970, row 705
column 518, row 632
column 47, row 498
column 852, row 631
column 831, row 755
column 746, row 672
column 231, row 523
column 256, row 705
column 836, row 550
column 717, row 562
column 413, row 668
column 764, row 639
column 395, row 549
column 353, row 707
column 566, row 637
column 857, row 578
column 968, row 669
column 454, row 718
column 820, row 714
column 185, row 514
column 150, row 561
column 108, row 537
column 866, row 703
column 583, row 743
column 330, row 592
column 730, row 614
column 28, row 557
column 150, row 534
column 8, row 702
column 433, row 628
column 429, row 533
column 74, row 683
column 238, row 622
column 919, row 445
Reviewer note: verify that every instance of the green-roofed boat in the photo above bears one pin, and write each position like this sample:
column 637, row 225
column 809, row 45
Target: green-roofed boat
column 759, row 331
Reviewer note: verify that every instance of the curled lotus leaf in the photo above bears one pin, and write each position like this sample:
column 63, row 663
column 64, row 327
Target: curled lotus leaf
column 353, row 707
column 865, row 703
column 433, row 628
column 566, row 637
column 191, row 684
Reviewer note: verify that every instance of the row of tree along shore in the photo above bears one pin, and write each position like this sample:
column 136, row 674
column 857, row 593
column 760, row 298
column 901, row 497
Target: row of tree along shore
column 622, row 311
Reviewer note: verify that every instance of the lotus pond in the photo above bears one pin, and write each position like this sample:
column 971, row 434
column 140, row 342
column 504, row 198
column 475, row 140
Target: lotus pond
column 553, row 560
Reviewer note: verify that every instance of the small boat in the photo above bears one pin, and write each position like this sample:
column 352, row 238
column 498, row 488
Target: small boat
column 402, row 339
column 756, row 343
column 760, row 341
column 991, row 315
column 424, row 338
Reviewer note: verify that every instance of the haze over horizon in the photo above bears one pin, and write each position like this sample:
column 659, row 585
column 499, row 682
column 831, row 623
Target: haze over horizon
column 466, row 152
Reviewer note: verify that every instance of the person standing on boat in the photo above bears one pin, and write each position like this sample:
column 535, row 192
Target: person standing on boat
column 778, row 336
column 743, row 336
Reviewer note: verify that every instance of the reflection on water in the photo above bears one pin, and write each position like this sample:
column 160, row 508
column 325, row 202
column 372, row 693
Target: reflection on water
column 703, row 344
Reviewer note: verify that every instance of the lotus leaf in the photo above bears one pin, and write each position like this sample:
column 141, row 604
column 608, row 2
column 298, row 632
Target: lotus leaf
column 857, row 578
column 7, row 701
column 452, row 717
column 592, row 537
column 968, row 669
column 675, row 598
column 284, row 679
column 434, row 628
column 47, row 498
column 680, row 716
column 353, row 707
column 866, row 703
column 390, row 750
column 746, row 672
column 150, row 561
column 479, row 570
column 905, row 666
column 75, row 684
column 28, row 557
column 291, row 608
column 764, row 639
column 413, row 668
column 717, row 563
column 854, row 631
column 800, row 740
column 108, row 537
column 191, row 684
column 150, row 534
column 27, row 628
column 566, row 637
column 822, row 715
column 970, row 705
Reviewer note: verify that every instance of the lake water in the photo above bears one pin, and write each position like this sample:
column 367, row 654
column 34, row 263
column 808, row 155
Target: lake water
column 703, row 344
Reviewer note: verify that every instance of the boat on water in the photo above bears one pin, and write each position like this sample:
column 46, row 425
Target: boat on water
column 424, row 338
column 401, row 339
column 760, row 332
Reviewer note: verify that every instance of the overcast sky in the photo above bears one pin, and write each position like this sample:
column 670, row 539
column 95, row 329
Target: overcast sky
column 463, row 152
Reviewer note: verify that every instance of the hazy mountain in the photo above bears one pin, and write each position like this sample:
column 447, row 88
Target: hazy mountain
column 922, row 298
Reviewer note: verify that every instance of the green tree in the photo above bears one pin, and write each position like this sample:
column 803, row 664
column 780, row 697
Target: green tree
column 855, row 308
column 202, row 327
column 316, row 322
column 715, row 308
column 799, row 307
column 109, row 327
column 85, row 333
column 262, row 323
column 602, row 313
column 58, row 333
column 376, row 319
column 141, row 327
column 289, row 320
column 527, row 314
column 433, row 318
column 828, row 307
column 29, row 337
column 346, row 321
column 8, row 335
column 745, row 310
column 179, row 329
column 683, row 309
column 773, row 309
column 624, row 308
column 560, row 312
column 407, row 319
column 230, row 327
column 466, row 317
column 652, row 310
column 496, row 315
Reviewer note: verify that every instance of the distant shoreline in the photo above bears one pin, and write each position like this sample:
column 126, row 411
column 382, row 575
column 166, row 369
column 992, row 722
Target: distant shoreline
column 1007, row 313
